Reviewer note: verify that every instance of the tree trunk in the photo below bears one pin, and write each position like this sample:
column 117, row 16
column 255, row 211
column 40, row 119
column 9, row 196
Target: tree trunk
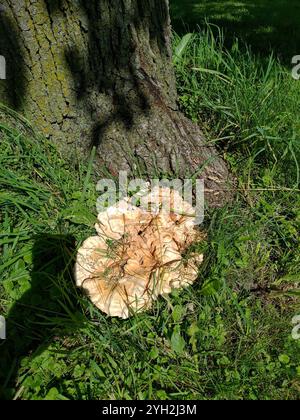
column 99, row 73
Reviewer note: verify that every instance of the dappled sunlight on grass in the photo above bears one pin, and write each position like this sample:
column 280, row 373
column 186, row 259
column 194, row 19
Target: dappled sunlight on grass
column 264, row 24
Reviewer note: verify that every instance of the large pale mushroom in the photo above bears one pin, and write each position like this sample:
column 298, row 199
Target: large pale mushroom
column 138, row 253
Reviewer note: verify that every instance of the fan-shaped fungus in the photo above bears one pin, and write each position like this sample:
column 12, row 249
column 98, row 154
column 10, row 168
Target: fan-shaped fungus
column 138, row 253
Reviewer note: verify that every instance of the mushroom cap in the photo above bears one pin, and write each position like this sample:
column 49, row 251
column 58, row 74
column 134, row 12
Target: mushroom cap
column 121, row 299
column 111, row 290
column 117, row 220
column 137, row 254
column 177, row 275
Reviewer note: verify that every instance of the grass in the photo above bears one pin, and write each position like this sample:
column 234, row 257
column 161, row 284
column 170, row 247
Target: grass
column 266, row 25
column 228, row 336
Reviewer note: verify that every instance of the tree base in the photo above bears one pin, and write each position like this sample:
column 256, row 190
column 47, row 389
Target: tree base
column 164, row 142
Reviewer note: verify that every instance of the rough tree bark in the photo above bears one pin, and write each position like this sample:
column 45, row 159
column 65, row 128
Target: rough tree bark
column 100, row 73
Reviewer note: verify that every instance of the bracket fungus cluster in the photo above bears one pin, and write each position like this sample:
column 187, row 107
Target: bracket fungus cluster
column 138, row 253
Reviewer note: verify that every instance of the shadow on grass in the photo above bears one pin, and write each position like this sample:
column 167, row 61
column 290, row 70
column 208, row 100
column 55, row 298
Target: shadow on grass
column 264, row 24
column 39, row 315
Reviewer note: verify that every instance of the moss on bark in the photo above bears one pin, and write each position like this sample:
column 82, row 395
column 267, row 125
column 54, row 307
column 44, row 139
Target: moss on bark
column 99, row 73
